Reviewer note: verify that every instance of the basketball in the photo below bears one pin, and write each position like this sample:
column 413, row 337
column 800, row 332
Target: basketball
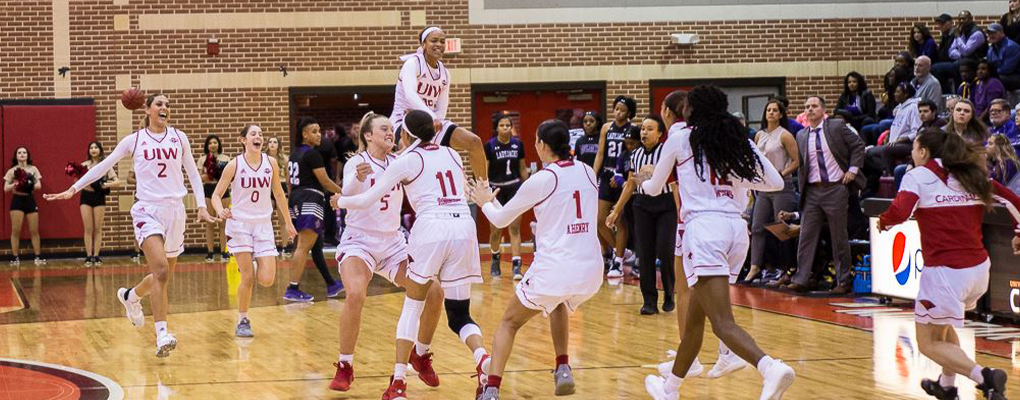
column 132, row 99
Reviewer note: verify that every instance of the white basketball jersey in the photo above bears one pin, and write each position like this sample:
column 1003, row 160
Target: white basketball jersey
column 707, row 192
column 431, row 84
column 158, row 163
column 251, row 190
column 441, row 185
column 567, row 220
column 385, row 217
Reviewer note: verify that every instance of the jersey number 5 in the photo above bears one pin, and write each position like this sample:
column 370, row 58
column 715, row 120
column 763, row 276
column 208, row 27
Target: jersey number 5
column 385, row 199
column 442, row 185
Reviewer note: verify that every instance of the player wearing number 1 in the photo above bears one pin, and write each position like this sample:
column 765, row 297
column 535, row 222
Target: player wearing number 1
column 158, row 215
column 252, row 177
column 567, row 269
column 506, row 172
column 443, row 246
column 716, row 165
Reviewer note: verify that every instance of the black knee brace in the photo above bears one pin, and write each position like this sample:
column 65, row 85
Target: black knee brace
column 458, row 314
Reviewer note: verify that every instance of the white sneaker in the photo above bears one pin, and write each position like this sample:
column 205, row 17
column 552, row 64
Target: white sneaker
column 614, row 273
column 726, row 364
column 629, row 257
column 164, row 344
column 666, row 368
column 133, row 309
column 776, row 378
column 656, row 387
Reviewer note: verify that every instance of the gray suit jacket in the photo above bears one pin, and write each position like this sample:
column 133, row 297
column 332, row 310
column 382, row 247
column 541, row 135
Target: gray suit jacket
column 846, row 147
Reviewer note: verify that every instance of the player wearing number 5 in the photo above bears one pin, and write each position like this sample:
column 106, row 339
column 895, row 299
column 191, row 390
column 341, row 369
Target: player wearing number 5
column 442, row 247
column 252, row 178
column 506, row 172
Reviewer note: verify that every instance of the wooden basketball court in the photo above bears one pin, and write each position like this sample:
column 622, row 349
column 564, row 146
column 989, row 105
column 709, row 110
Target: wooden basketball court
column 67, row 315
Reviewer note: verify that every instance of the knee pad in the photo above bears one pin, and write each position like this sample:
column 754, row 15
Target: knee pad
column 458, row 315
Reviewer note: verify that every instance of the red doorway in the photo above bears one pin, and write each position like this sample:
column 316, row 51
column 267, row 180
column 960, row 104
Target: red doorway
column 530, row 106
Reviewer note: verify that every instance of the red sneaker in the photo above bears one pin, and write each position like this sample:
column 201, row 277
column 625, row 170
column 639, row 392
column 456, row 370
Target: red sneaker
column 483, row 365
column 396, row 391
column 423, row 364
column 343, row 378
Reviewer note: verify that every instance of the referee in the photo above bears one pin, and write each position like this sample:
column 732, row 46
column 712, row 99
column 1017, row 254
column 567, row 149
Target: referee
column 655, row 220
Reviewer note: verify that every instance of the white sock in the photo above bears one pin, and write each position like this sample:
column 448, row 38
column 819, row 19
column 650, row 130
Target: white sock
column 496, row 253
column 619, row 260
column 132, row 296
column 516, row 258
column 479, row 352
column 947, row 380
column 764, row 363
column 160, row 328
column 975, row 375
column 241, row 316
column 346, row 358
column 672, row 383
column 294, row 283
column 400, row 372
column 421, row 348
column 723, row 349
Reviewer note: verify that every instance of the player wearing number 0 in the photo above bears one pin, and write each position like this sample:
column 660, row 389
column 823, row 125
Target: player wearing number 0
column 253, row 179
column 611, row 147
column 506, row 172
column 948, row 193
column 159, row 152
column 371, row 244
column 424, row 84
column 716, row 165
column 567, row 269
column 442, row 248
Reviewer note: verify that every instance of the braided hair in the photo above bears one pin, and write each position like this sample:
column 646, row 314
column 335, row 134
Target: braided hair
column 719, row 138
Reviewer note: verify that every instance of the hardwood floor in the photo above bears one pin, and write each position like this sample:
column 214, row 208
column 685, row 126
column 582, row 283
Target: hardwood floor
column 72, row 319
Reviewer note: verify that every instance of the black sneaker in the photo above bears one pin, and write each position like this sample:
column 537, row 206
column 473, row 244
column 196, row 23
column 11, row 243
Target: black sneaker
column 225, row 256
column 137, row 257
column 934, row 389
column 518, row 275
column 210, row 257
column 88, row 261
column 96, row 261
column 15, row 260
column 994, row 387
column 494, row 267
column 668, row 304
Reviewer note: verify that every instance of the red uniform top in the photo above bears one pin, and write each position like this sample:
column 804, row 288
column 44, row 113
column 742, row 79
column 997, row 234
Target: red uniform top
column 948, row 217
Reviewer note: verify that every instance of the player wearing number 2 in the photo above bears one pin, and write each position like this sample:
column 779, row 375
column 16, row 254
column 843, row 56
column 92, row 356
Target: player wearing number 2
column 567, row 269
column 158, row 215
column 443, row 246
column 716, row 165
column 252, row 177
column 506, row 172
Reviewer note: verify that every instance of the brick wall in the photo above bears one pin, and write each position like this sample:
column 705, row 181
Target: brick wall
column 99, row 54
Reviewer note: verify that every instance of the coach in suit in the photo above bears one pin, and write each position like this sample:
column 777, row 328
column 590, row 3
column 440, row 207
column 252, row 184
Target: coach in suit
column 832, row 155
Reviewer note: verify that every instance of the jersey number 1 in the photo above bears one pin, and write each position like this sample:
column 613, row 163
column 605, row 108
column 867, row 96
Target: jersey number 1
column 442, row 185
column 577, row 202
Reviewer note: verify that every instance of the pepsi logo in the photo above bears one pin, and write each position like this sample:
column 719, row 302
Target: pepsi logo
column 899, row 252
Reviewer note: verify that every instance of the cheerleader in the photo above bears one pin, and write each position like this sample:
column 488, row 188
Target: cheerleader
column 249, row 222
column 21, row 180
column 211, row 165
column 159, row 153
column 93, row 204
column 424, row 84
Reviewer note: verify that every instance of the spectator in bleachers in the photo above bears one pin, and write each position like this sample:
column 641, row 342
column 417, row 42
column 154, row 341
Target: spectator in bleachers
column 780, row 148
column 1011, row 21
column 947, row 32
column 857, row 104
column 965, row 88
column 926, row 84
column 968, row 43
column 921, row 42
column 1001, row 121
column 1004, row 56
column 833, row 156
column 988, row 88
column 966, row 124
column 792, row 125
column 929, row 114
column 899, row 141
column 904, row 60
column 1002, row 161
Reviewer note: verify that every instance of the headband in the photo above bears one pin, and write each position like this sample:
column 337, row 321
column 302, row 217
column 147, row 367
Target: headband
column 427, row 32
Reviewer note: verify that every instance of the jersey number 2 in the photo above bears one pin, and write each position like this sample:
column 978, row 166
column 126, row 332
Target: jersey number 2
column 442, row 185
column 162, row 170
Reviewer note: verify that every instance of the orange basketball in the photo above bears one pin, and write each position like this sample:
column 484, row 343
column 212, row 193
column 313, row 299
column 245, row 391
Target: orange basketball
column 132, row 99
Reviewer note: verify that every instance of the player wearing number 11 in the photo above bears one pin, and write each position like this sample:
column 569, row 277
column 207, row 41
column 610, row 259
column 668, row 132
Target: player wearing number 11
column 253, row 177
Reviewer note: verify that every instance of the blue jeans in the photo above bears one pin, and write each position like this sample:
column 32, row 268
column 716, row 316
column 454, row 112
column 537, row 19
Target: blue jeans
column 898, row 173
column 870, row 133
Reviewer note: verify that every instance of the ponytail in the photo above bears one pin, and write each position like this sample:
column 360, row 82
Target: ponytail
column 366, row 127
column 555, row 134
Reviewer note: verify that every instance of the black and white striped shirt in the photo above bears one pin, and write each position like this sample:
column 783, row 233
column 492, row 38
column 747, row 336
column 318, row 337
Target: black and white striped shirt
column 640, row 158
